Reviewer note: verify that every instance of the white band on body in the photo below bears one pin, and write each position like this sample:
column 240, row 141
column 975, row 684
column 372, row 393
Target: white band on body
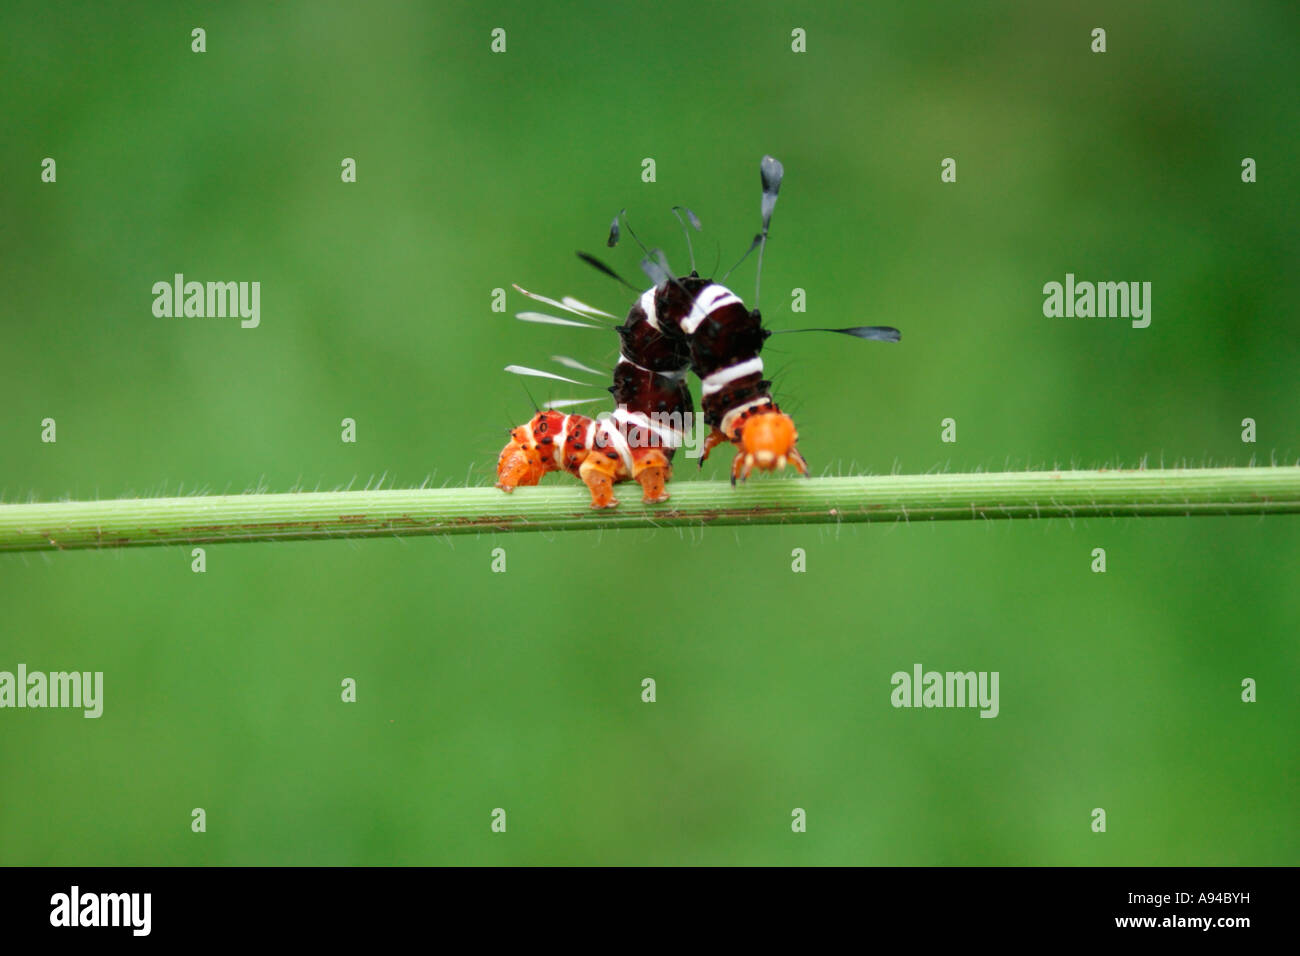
column 669, row 437
column 724, row 377
column 564, row 437
column 620, row 443
column 711, row 298
column 647, row 303
column 729, row 419
column 675, row 374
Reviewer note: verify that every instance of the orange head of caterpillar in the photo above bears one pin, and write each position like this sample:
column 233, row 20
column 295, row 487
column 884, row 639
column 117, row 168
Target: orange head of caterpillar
column 767, row 442
column 530, row 453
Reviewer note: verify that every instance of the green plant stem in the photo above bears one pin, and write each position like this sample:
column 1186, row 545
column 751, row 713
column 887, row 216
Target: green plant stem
column 131, row 522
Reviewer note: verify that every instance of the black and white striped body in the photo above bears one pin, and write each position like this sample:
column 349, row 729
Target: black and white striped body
column 717, row 338
column 650, row 377
column 680, row 326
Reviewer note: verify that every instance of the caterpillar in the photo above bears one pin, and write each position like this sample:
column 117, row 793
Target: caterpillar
column 594, row 450
column 636, row 441
column 678, row 325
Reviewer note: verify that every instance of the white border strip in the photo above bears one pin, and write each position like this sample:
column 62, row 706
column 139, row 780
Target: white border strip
column 732, row 415
column 710, row 299
column 724, row 377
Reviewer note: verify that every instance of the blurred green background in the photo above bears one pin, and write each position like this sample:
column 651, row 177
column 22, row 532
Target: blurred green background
column 522, row 690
